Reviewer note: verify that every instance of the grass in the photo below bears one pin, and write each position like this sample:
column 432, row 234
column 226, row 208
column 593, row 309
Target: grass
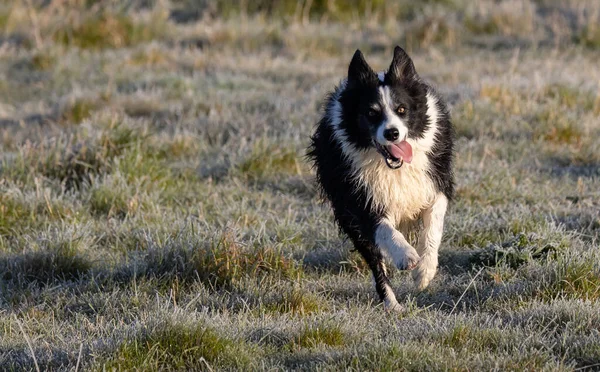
column 112, row 199
column 222, row 263
column 415, row 357
column 268, row 160
column 72, row 160
column 180, row 346
column 43, row 61
column 315, row 336
column 20, row 212
column 156, row 211
column 575, row 279
column 589, row 36
column 336, row 10
column 297, row 301
column 108, row 30
column 509, row 19
column 54, row 261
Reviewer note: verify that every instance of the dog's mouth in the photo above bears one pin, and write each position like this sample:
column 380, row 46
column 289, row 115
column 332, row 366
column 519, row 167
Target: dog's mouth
column 395, row 154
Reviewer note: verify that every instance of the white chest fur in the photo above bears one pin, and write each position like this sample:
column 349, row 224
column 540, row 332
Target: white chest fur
column 402, row 193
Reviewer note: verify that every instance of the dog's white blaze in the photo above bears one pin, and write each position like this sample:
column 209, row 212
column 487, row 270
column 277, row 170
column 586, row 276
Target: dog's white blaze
column 381, row 76
column 393, row 121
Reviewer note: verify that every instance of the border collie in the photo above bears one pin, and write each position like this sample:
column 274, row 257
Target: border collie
column 383, row 154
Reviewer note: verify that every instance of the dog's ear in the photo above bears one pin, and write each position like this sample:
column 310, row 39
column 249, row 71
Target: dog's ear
column 359, row 71
column 402, row 67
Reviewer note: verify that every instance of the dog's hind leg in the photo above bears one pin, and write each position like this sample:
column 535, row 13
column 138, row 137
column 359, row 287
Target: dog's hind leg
column 429, row 242
column 374, row 259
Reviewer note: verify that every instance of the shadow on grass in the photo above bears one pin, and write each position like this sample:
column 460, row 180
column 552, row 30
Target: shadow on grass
column 585, row 223
column 338, row 260
column 564, row 167
column 296, row 186
column 48, row 358
column 223, row 266
column 514, row 252
column 219, row 264
column 62, row 263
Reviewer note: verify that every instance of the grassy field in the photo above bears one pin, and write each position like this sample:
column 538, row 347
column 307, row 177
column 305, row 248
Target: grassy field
column 157, row 212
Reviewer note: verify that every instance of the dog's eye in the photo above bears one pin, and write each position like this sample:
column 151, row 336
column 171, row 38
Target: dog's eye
column 372, row 113
column 401, row 110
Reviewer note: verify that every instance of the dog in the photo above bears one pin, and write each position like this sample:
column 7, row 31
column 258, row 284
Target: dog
column 383, row 156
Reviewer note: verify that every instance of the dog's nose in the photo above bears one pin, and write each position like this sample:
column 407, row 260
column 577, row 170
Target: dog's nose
column 391, row 134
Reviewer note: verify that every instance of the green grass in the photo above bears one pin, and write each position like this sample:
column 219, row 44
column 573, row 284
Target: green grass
column 589, row 36
column 112, row 199
column 180, row 346
column 556, row 126
column 220, row 263
column 20, row 213
column 296, row 301
column 43, row 61
column 574, row 280
column 268, row 160
column 72, row 160
column 157, row 211
column 464, row 337
column 79, row 110
column 315, row 336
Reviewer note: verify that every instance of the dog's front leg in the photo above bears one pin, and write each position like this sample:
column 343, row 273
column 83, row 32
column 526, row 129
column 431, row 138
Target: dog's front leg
column 374, row 259
column 392, row 242
column 429, row 242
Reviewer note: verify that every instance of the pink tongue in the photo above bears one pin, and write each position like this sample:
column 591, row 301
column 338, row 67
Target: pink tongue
column 402, row 150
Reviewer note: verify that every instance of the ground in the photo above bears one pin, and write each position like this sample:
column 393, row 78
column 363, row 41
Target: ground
column 157, row 210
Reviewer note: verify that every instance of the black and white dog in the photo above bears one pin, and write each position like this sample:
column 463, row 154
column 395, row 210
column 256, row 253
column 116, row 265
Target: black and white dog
column 383, row 154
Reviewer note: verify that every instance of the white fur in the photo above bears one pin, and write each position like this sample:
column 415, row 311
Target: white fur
column 384, row 269
column 393, row 243
column 405, row 192
column 429, row 242
column 392, row 121
column 391, row 303
column 334, row 112
column 381, row 76
column 428, row 140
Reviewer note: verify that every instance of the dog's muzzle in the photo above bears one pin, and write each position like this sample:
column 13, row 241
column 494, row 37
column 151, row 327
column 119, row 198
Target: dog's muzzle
column 390, row 161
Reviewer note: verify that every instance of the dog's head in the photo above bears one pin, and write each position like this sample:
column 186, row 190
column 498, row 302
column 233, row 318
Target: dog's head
column 385, row 110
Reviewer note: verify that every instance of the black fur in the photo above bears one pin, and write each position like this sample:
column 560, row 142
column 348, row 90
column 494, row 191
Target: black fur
column 354, row 213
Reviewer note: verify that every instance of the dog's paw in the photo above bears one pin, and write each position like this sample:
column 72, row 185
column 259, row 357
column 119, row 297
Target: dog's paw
column 408, row 260
column 392, row 306
column 424, row 272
